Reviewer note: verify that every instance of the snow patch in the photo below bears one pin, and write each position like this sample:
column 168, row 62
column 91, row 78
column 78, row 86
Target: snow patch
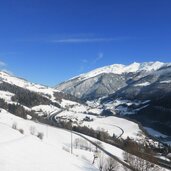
column 45, row 109
column 6, row 95
column 165, row 82
column 154, row 132
column 142, row 84
column 67, row 103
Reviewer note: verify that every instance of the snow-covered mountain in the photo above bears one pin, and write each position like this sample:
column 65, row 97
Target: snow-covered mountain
column 20, row 82
column 23, row 98
column 121, row 69
column 141, row 91
column 147, row 99
column 107, row 80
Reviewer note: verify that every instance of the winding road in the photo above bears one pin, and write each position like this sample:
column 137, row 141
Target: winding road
column 52, row 118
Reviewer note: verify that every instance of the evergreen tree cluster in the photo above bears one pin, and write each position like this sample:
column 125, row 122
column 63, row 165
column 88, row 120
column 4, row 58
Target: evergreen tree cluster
column 15, row 109
column 26, row 97
column 60, row 95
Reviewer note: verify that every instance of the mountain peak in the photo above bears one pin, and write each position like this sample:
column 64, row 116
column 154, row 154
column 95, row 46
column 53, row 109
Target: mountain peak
column 4, row 73
column 120, row 69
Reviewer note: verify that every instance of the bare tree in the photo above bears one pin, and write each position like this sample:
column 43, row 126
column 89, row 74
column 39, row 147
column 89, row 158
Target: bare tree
column 101, row 162
column 111, row 165
column 40, row 135
column 94, row 158
column 14, row 125
column 32, row 130
column 139, row 164
column 98, row 144
column 21, row 131
column 76, row 142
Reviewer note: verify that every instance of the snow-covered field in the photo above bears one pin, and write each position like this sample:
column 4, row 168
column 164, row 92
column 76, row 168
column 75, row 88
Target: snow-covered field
column 25, row 151
column 112, row 124
column 80, row 108
column 45, row 109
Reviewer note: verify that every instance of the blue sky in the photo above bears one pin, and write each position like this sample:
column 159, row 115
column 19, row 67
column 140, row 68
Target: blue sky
column 49, row 41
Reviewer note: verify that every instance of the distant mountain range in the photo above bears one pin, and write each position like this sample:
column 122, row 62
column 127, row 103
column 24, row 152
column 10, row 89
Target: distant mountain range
column 140, row 91
column 107, row 80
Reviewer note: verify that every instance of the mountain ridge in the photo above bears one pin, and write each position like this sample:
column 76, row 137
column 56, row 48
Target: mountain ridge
column 120, row 68
column 101, row 82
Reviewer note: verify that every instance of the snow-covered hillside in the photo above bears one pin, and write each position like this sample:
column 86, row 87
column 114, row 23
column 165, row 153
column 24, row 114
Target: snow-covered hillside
column 91, row 117
column 27, row 152
column 6, row 96
column 113, row 125
column 120, row 69
column 23, row 150
column 107, row 80
column 33, row 97
column 5, row 77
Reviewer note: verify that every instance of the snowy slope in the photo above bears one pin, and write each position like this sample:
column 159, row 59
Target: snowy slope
column 113, row 125
column 45, row 109
column 18, row 86
column 120, row 69
column 26, row 152
column 5, row 77
column 107, row 80
column 6, row 95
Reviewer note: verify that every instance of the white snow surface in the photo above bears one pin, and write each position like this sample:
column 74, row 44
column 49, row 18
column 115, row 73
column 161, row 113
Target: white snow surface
column 95, row 111
column 112, row 124
column 45, row 109
column 142, row 84
column 26, row 152
column 165, row 82
column 67, row 103
column 154, row 132
column 27, row 85
column 79, row 108
column 120, row 69
column 6, row 95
